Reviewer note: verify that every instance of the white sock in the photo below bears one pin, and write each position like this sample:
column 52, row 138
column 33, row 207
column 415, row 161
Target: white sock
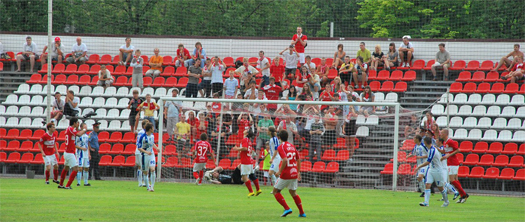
column 146, row 179
column 422, row 185
column 139, row 177
column 427, row 196
column 86, row 174
column 79, row 177
column 152, row 178
column 452, row 188
column 273, row 179
column 444, row 194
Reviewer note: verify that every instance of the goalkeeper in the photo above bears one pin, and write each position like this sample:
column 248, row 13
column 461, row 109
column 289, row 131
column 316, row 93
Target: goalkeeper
column 218, row 176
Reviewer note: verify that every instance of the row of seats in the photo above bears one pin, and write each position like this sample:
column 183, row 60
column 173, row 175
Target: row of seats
column 487, row 99
column 480, row 76
column 480, row 147
column 470, row 87
column 483, row 123
column 489, row 135
column 388, row 86
column 488, row 160
column 479, row 110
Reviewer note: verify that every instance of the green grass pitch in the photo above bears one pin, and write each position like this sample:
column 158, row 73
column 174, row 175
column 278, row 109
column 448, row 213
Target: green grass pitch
column 32, row 200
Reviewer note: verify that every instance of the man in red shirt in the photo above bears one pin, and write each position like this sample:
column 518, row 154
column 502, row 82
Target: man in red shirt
column 289, row 174
column 246, row 154
column 69, row 156
column 326, row 96
column 299, row 40
column 201, row 150
column 277, row 70
column 244, row 122
column 49, row 151
column 451, row 148
column 182, row 55
column 272, row 93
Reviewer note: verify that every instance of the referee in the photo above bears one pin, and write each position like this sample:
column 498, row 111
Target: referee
column 93, row 149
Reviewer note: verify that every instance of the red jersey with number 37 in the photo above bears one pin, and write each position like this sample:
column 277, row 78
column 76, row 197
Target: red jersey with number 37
column 48, row 143
column 246, row 156
column 451, row 146
column 288, row 151
column 203, row 148
column 71, row 135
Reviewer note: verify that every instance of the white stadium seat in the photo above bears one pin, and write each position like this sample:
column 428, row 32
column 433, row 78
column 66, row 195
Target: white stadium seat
column 125, row 125
column 360, row 120
column 111, row 91
column 38, row 100
column 442, row 121
column 103, row 124
column 455, row 121
column 25, row 122
column 362, row 131
column 503, row 100
column 86, row 102
column 62, row 89
column 37, row 123
column 11, row 111
column 460, row 134
column 508, row 111
column 101, row 113
column 514, row 123
column 391, row 97
column 22, row 89
column 465, row 110
column 437, row 109
column 98, row 102
column 474, row 134
column 87, row 110
column 111, row 102
column 444, row 100
column 35, row 89
column 372, row 120
column 62, row 124
column 490, row 135
column 493, row 111
column 470, row 122
column 122, row 92
column 24, row 111
column 2, row 121
column 379, row 96
column 499, row 123
column 517, row 100
column 504, row 136
column 12, row 121
column 11, row 100
column 73, row 88
column 44, row 90
column 124, row 114
column 460, row 98
column 114, row 125
column 484, row 123
column 123, row 103
column 147, row 90
column 90, row 123
column 113, row 114
column 97, row 91
column 161, row 92
column 451, row 110
column 519, row 136
column 521, row 112
column 479, row 110
column 488, row 99
column 2, row 109
column 26, row 100
column 474, row 99
column 130, row 93
column 85, row 91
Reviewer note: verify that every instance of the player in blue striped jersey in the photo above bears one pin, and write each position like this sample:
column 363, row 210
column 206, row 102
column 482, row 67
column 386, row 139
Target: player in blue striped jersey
column 138, row 163
column 146, row 144
column 83, row 156
column 421, row 154
column 434, row 172
column 275, row 158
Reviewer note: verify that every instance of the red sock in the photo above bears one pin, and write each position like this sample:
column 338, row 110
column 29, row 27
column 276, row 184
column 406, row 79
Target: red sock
column 299, row 204
column 201, row 173
column 196, row 175
column 55, row 174
column 47, row 175
column 279, row 197
column 459, row 188
column 249, row 185
column 72, row 177
column 256, row 182
column 63, row 177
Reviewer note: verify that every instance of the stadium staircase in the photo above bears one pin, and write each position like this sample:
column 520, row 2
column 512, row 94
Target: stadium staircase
column 423, row 93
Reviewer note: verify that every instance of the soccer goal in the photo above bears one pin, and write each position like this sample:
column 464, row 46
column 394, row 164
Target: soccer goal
column 339, row 144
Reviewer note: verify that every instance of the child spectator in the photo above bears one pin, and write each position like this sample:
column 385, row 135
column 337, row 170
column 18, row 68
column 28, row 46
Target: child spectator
column 136, row 77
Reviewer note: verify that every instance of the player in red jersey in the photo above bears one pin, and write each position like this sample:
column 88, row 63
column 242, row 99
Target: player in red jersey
column 244, row 122
column 289, row 174
column 246, row 154
column 451, row 148
column 49, row 151
column 201, row 150
column 71, row 162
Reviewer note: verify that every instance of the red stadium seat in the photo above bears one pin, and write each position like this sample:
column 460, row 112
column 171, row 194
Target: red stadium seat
column 460, row 157
column 116, row 60
column 121, row 81
column 130, row 162
column 211, row 165
column 328, row 155
column 332, row 167
column 94, row 70
column 71, row 69
column 506, row 174
column 233, row 153
column 168, row 71
column 383, row 75
column 146, row 59
column 167, row 61
column 400, row 87
column 520, row 175
column 492, row 77
column 182, row 82
column 170, row 150
column 458, row 65
column 303, row 154
column 59, row 79
column 171, row 162
column 374, row 85
column 481, row 147
column 456, row 87
column 12, row 134
column 120, row 70
column 43, row 70
column 497, row 88
column 128, row 137
column 158, row 82
column 465, row 146
column 306, row 166
column 510, row 148
column 486, row 65
column 13, row 157
column 486, row 160
column 404, row 169
column 37, row 134
column 226, row 163
column 104, row 60
column 476, row 172
column 115, row 137
column 235, row 163
column 483, row 88
column 38, row 160
column 396, row 75
column 105, row 160
column 491, row 173
column 463, row 171
column 342, row 155
column 25, row 146
column 129, row 150
column 61, row 161
column 473, row 65
column 418, row 65
column 61, row 136
column 181, row 71
column 129, row 71
column 72, row 80
column 470, row 87
column 387, row 86
column 26, row 158
column 512, row 88
column 429, row 65
column 145, row 69
column 319, row 167
column 103, row 137
column 25, row 134
column 228, row 61
column 93, row 59
column 409, row 76
column 478, row 76
column 472, row 159
column 3, row 157
column 62, row 148
column 372, row 74
column 464, row 76
column 501, row 161
column 118, row 161
column 332, row 73
column 329, row 61
column 502, row 75
column 104, row 148
column 44, row 79
column 516, row 161
column 35, row 78
column 522, row 89
column 495, row 148
column 170, row 82
column 389, row 169
column 84, row 80
column 83, row 69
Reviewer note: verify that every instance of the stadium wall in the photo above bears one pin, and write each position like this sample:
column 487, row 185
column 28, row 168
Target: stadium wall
column 249, row 47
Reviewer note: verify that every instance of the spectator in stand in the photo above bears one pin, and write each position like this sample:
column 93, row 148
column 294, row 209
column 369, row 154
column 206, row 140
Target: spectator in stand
column 28, row 53
column 247, row 72
column 217, row 68
column 183, row 132
column 310, row 65
column 277, row 70
column 339, row 113
column 378, row 58
column 205, row 85
column 1, row 50
column 126, row 52
column 406, row 52
column 330, row 121
column 392, row 56
column 307, row 92
column 183, row 54
column 316, row 133
column 302, row 78
column 412, row 128
column 288, row 124
column 339, row 56
column 326, row 96
column 78, row 52
column 225, row 132
column 337, row 85
column 133, row 114
column 198, row 54
column 264, row 65
column 322, row 71
column 57, row 51
column 517, row 71
column 137, row 75
column 252, row 92
column 71, row 108
column 272, row 92
column 510, row 63
column 300, row 42
column 149, row 108
column 313, row 82
column 427, row 121
column 364, row 53
column 230, row 87
column 262, row 129
column 155, row 62
column 291, row 58
column 57, row 107
column 367, row 96
column 93, row 146
column 291, row 94
column 194, row 74
column 360, row 72
column 442, row 60
column 345, row 72
column 349, row 130
column 104, row 77
column 172, row 110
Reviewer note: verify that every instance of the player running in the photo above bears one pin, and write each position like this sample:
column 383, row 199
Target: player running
column 246, row 155
column 289, row 173
column 451, row 147
column 201, row 150
column 447, row 185
column 434, row 172
column 275, row 158
column 138, row 155
column 421, row 154
column 83, row 156
column 49, row 151
column 69, row 156
column 146, row 144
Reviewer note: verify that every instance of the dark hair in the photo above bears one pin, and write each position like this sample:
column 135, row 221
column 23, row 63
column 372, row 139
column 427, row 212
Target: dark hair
column 144, row 123
column 82, row 124
column 49, row 125
column 418, row 138
column 198, row 43
column 428, row 140
column 292, row 94
column 441, row 140
column 148, row 127
column 340, row 46
column 29, row 37
column 261, row 52
column 250, row 134
column 180, row 45
column 394, row 48
column 428, row 112
column 360, row 58
column 71, row 92
column 204, row 137
column 514, row 44
column 72, row 121
column 272, row 130
column 283, row 135
column 128, row 38
column 362, row 43
column 307, row 57
column 442, row 44
column 301, row 97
